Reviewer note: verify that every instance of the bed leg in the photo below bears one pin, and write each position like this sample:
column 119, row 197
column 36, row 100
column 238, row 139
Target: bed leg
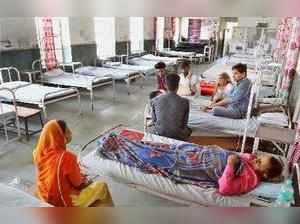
column 92, row 99
column 79, row 104
column 44, row 112
column 114, row 89
column 255, row 145
column 128, row 86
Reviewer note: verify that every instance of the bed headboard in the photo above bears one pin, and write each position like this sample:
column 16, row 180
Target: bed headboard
column 296, row 184
column 8, row 74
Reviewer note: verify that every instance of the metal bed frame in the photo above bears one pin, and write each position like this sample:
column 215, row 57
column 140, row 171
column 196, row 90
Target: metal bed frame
column 130, row 76
column 17, row 121
column 44, row 102
column 254, row 202
column 90, row 88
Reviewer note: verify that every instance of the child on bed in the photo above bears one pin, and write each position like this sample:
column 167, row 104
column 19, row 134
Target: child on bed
column 243, row 173
column 204, row 166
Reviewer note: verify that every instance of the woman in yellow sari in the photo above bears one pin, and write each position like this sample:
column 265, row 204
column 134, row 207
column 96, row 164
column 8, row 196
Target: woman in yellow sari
column 59, row 179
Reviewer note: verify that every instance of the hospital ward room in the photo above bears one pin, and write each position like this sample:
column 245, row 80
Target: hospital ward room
column 149, row 111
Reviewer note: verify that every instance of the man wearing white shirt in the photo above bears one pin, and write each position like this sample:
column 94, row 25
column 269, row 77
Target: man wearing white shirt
column 188, row 81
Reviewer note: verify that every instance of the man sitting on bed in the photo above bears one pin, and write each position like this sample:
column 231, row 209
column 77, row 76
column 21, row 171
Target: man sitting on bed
column 170, row 112
column 188, row 81
column 236, row 105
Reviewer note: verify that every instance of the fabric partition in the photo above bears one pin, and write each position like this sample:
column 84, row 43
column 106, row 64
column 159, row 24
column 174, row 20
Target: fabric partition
column 48, row 43
column 292, row 56
column 194, row 30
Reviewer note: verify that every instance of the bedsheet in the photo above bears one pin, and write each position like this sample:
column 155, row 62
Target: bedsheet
column 117, row 74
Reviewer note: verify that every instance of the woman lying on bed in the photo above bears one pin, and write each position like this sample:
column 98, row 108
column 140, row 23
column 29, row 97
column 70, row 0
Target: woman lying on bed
column 59, row 180
column 205, row 166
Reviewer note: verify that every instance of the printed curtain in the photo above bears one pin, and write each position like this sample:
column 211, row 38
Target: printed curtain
column 48, row 43
column 292, row 59
column 283, row 36
column 194, row 30
column 292, row 56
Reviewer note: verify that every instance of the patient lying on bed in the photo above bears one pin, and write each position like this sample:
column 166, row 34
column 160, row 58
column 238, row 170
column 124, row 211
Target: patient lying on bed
column 204, row 166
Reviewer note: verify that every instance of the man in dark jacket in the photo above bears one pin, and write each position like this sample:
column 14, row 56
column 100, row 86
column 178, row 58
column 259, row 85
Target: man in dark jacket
column 170, row 112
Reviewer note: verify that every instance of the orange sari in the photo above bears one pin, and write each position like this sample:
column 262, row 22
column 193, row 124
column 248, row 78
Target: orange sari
column 58, row 172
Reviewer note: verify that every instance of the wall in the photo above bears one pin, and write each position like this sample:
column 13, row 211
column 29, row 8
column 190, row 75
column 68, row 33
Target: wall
column 82, row 34
column 22, row 35
column 251, row 21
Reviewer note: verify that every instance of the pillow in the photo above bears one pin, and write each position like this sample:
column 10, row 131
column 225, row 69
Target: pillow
column 54, row 72
column 268, row 190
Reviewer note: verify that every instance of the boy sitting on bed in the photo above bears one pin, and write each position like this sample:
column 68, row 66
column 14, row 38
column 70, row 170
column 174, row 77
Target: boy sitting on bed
column 204, row 166
column 161, row 74
column 235, row 106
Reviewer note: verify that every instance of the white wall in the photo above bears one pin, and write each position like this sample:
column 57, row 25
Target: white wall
column 122, row 29
column 251, row 21
column 82, row 30
column 20, row 31
column 149, row 28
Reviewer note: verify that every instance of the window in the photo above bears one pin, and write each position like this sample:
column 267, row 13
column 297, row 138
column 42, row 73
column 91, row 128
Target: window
column 53, row 35
column 136, row 34
column 105, row 35
column 160, row 29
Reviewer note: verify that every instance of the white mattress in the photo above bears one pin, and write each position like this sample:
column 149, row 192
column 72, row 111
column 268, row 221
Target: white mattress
column 74, row 80
column 32, row 93
column 148, row 70
column 117, row 74
column 13, row 197
column 160, row 58
column 178, row 53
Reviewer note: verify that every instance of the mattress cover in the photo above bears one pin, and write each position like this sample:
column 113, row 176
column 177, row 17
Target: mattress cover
column 118, row 74
column 33, row 93
column 75, row 80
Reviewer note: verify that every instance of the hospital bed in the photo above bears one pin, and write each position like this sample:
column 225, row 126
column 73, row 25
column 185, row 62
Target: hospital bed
column 33, row 94
column 184, row 194
column 268, row 78
column 180, row 54
column 116, row 73
column 58, row 77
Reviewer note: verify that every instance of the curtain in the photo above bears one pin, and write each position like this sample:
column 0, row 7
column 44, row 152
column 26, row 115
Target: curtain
column 283, row 35
column 292, row 56
column 48, row 43
column 194, row 29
